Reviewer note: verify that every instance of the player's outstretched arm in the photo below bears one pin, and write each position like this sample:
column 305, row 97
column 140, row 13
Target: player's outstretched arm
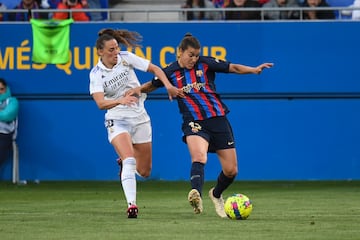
column 147, row 87
column 104, row 104
column 243, row 69
column 172, row 90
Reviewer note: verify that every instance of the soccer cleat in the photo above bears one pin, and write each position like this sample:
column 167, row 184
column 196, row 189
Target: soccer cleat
column 195, row 201
column 132, row 211
column 218, row 203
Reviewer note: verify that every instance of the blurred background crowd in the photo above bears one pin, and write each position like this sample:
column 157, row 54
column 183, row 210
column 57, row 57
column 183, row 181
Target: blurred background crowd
column 193, row 9
column 24, row 8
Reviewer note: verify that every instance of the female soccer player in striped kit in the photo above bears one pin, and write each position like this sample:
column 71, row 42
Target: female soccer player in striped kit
column 205, row 125
column 126, row 120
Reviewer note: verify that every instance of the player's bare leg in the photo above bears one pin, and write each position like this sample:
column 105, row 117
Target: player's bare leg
column 143, row 155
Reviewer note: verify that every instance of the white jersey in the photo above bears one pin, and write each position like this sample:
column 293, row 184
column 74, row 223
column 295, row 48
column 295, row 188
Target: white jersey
column 116, row 81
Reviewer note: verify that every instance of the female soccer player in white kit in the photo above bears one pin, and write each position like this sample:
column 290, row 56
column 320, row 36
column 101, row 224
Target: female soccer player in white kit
column 126, row 120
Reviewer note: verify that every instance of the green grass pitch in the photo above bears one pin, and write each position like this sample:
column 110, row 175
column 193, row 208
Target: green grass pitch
column 314, row 210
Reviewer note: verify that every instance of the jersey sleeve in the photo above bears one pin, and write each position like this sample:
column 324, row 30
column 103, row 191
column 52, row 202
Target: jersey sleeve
column 156, row 82
column 137, row 62
column 96, row 84
column 216, row 65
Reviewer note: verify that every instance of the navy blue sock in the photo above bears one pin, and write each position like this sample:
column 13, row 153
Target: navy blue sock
column 197, row 176
column 223, row 182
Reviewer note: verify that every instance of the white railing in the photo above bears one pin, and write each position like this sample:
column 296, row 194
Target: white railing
column 178, row 14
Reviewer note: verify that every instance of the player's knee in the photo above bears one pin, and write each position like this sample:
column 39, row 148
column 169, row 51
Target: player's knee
column 199, row 157
column 231, row 173
column 145, row 173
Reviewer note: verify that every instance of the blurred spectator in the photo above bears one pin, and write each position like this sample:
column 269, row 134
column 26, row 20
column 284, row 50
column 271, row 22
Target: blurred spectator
column 279, row 14
column 9, row 107
column 3, row 16
column 220, row 3
column 200, row 15
column 194, row 4
column 26, row 16
column 72, row 4
column 97, row 4
column 262, row 2
column 317, row 14
column 243, row 15
column 214, row 15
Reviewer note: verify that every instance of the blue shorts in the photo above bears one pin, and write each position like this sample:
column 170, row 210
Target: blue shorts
column 217, row 131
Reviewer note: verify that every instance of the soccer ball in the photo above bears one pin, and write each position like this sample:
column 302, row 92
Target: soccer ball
column 238, row 207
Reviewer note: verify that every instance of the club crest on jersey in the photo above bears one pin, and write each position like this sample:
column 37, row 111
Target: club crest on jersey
column 125, row 63
column 195, row 127
column 199, row 73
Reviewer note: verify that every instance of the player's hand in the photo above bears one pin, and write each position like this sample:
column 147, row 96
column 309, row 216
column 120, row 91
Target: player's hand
column 136, row 92
column 129, row 100
column 260, row 68
column 175, row 92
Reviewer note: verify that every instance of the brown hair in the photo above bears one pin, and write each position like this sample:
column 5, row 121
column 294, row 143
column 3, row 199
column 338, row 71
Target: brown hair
column 100, row 42
column 123, row 37
column 189, row 41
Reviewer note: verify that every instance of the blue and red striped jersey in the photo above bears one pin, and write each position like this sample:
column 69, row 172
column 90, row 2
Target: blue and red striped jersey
column 201, row 101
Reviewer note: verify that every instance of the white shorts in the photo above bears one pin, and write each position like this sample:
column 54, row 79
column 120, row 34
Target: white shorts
column 140, row 132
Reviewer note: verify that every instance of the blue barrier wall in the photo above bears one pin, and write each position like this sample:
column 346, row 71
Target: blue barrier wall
column 296, row 121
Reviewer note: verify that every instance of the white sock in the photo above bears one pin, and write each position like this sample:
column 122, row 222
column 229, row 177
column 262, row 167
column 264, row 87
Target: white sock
column 128, row 179
column 137, row 173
